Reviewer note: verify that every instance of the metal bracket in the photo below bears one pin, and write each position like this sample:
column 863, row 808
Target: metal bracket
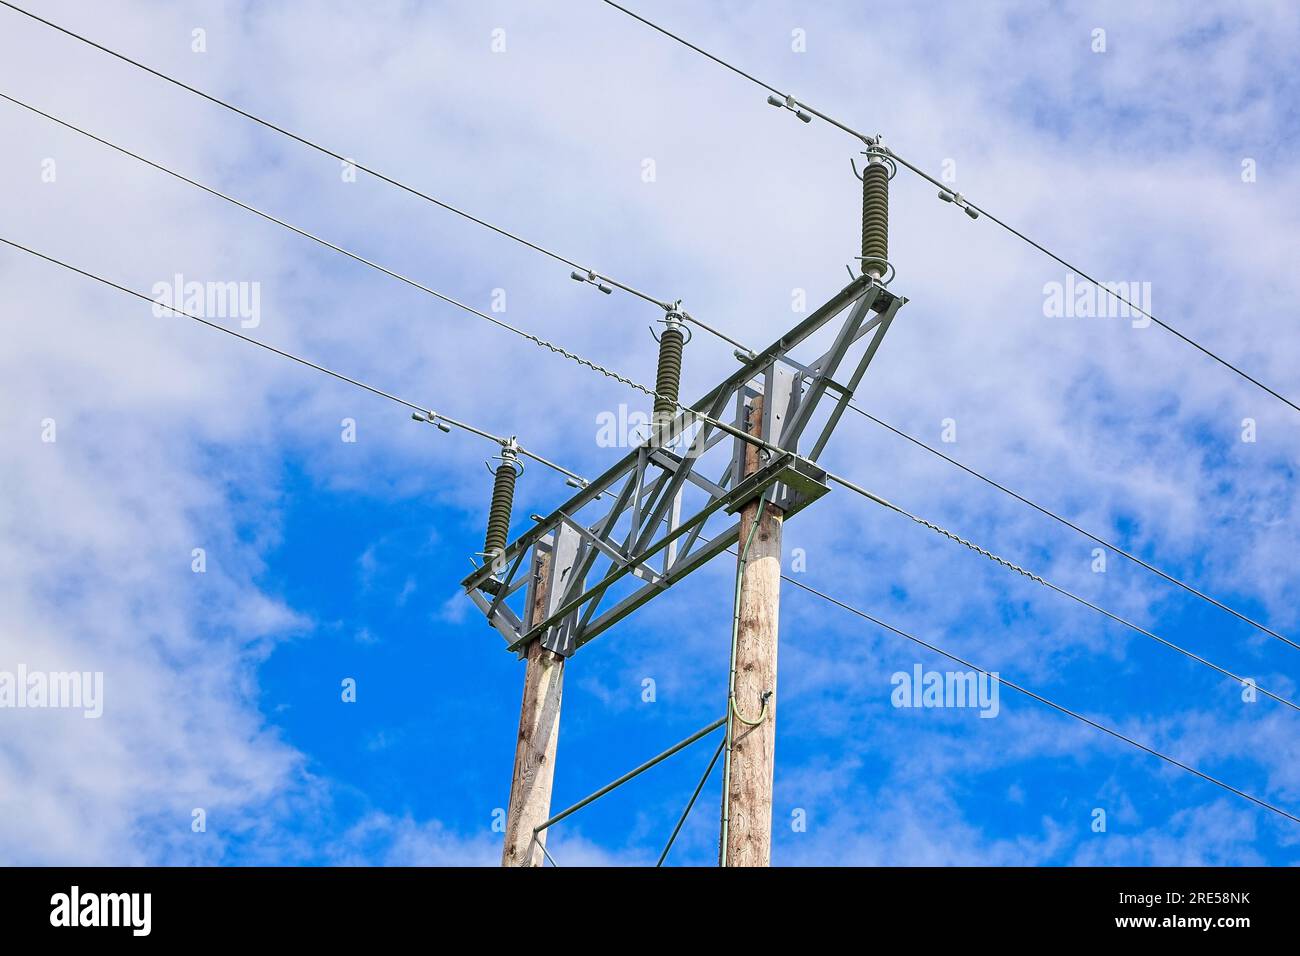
column 657, row 515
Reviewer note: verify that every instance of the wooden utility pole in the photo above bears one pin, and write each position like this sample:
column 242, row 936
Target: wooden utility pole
column 539, row 733
column 748, row 839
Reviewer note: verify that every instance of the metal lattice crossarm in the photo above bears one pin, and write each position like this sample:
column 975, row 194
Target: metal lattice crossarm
column 650, row 520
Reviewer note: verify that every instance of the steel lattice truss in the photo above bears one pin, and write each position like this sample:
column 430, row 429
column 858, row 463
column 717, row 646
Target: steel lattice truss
column 641, row 527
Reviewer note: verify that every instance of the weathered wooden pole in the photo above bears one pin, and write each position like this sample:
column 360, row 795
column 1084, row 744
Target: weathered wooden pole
column 747, row 820
column 539, row 734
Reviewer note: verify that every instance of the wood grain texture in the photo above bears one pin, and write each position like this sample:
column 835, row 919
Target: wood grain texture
column 753, row 757
column 539, row 734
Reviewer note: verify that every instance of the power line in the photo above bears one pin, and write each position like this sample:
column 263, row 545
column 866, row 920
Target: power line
column 1041, row 699
column 436, row 418
column 568, row 354
column 852, row 486
column 922, row 173
column 411, row 405
column 550, row 346
column 313, row 145
column 545, row 344
column 1074, row 527
column 702, row 52
column 588, row 274
column 370, row 263
column 997, row 559
column 844, row 482
column 948, row 195
column 558, row 349
column 423, row 412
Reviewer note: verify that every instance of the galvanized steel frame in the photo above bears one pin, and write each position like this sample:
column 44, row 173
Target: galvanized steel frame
column 648, row 485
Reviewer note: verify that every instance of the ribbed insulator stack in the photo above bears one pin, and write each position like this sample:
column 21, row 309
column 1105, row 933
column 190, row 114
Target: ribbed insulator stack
column 875, row 219
column 668, row 380
column 503, row 500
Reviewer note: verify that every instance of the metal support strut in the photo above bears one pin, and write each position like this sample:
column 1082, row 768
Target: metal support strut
column 661, row 513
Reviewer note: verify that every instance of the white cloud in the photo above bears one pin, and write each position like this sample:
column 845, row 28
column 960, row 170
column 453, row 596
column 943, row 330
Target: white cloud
column 158, row 421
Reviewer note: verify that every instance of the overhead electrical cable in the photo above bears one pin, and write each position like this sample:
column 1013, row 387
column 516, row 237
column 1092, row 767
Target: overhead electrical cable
column 1074, row 527
column 1064, row 592
column 567, row 261
column 738, row 433
column 598, row 278
column 586, row 273
column 1040, row 698
column 563, row 352
column 804, row 110
column 370, row 263
column 422, row 411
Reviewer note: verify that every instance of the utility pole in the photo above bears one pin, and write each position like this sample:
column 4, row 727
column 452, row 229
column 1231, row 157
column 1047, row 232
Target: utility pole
column 539, row 734
column 539, row 713
column 659, row 514
column 751, row 727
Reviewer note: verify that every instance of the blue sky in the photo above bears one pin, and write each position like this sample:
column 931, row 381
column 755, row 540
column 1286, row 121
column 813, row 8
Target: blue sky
column 329, row 559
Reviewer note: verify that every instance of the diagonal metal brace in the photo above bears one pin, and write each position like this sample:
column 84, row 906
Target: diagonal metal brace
column 653, row 517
